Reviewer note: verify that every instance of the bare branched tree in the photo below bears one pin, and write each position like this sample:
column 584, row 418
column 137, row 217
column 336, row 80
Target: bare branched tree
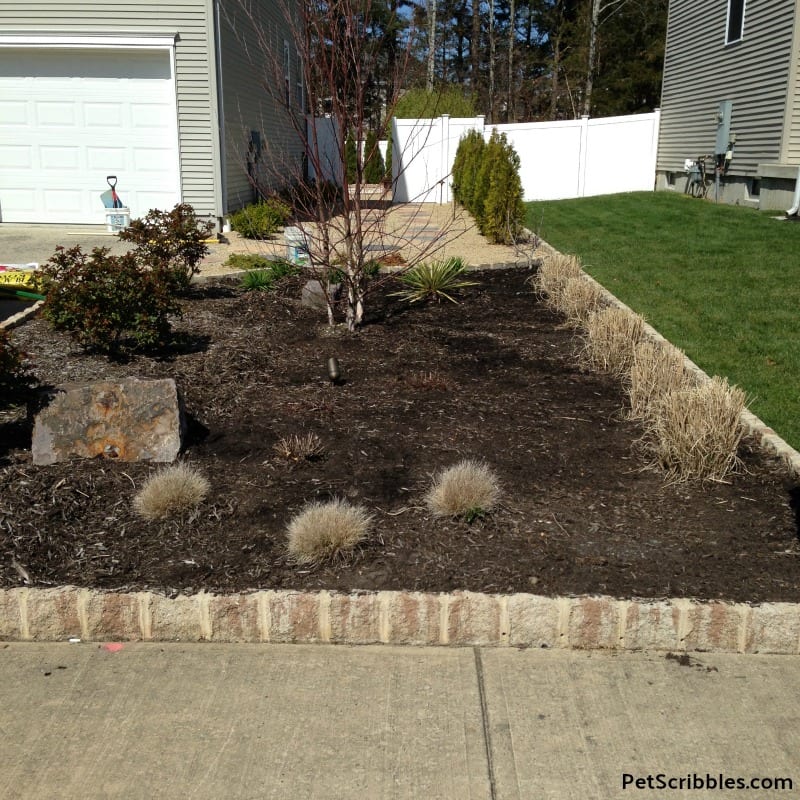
column 341, row 45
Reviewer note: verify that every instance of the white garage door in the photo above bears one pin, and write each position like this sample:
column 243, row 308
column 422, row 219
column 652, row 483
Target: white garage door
column 71, row 117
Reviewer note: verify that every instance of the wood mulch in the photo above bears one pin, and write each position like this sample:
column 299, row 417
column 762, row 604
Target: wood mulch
column 494, row 377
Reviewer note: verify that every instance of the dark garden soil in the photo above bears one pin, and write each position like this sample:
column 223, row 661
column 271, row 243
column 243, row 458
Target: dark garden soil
column 494, row 378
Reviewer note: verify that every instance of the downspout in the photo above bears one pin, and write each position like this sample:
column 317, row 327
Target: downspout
column 796, row 201
column 218, row 115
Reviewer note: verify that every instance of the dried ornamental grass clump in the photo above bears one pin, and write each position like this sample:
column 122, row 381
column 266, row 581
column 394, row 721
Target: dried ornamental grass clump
column 553, row 273
column 579, row 298
column 611, row 336
column 300, row 447
column 655, row 371
column 695, row 433
column 326, row 530
column 169, row 491
column 467, row 489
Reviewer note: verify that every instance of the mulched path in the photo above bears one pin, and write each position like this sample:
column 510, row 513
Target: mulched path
column 494, row 377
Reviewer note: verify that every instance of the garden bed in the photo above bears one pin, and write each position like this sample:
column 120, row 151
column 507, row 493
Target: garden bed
column 424, row 386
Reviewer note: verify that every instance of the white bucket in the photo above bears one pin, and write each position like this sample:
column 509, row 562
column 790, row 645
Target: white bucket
column 296, row 246
column 117, row 219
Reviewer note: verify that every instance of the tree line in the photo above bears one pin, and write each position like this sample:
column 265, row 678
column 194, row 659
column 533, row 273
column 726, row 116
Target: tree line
column 526, row 60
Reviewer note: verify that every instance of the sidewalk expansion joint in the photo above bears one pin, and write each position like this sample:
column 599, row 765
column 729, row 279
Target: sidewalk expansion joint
column 487, row 731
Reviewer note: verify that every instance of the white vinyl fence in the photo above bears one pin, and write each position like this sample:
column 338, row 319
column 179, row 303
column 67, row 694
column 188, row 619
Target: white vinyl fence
column 559, row 160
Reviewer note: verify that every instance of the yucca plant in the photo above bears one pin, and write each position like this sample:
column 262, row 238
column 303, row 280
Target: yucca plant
column 257, row 280
column 435, row 279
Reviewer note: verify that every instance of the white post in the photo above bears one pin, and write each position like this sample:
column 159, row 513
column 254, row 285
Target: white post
column 444, row 165
column 582, row 155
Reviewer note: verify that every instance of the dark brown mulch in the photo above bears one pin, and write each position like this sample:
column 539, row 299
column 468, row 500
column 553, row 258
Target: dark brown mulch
column 493, row 378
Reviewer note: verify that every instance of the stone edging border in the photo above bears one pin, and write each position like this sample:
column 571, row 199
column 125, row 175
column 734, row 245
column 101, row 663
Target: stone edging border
column 401, row 618
column 413, row 618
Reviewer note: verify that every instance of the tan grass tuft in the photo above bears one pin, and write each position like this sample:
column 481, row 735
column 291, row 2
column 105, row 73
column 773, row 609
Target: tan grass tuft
column 655, row 371
column 694, row 433
column 553, row 273
column 611, row 336
column 326, row 531
column 169, row 491
column 579, row 299
column 468, row 487
column 299, row 448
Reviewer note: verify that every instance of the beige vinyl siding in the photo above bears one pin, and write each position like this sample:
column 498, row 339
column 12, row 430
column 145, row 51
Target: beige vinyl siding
column 194, row 72
column 252, row 59
column 700, row 70
column 791, row 133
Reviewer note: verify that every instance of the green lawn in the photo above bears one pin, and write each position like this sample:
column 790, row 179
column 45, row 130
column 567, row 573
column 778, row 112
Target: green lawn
column 720, row 282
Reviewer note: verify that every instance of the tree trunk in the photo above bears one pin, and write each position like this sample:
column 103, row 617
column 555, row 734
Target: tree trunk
column 431, row 43
column 474, row 46
column 492, row 47
column 594, row 23
column 510, row 117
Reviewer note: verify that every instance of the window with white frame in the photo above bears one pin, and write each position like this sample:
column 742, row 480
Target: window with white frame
column 735, row 26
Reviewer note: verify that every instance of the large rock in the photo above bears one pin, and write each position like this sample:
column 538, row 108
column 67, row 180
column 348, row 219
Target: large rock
column 127, row 420
column 313, row 295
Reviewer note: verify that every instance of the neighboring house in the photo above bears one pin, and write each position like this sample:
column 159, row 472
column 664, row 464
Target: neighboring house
column 746, row 52
column 162, row 95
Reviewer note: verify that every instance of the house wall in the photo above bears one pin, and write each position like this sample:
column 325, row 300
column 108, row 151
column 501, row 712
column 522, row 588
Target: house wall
column 187, row 19
column 701, row 70
column 252, row 46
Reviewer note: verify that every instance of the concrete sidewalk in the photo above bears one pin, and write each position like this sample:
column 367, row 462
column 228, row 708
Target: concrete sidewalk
column 240, row 722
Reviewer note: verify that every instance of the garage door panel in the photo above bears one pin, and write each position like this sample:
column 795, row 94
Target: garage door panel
column 149, row 115
column 107, row 158
column 103, row 115
column 60, row 158
column 14, row 113
column 16, row 157
column 55, row 115
column 63, row 135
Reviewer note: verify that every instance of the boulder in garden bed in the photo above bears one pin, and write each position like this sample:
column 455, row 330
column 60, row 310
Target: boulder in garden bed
column 126, row 420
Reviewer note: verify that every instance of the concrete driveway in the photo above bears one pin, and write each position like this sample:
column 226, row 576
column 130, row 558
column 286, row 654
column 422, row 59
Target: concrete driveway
column 23, row 244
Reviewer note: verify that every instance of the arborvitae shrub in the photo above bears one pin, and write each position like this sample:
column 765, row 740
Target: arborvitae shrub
column 503, row 211
column 374, row 168
column 465, row 167
column 486, row 182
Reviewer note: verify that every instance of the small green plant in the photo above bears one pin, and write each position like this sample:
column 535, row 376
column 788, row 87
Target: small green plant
column 261, row 220
column 263, row 278
column 111, row 304
column 324, row 531
column 257, row 280
column 170, row 491
column 469, row 489
column 171, row 241
column 435, row 279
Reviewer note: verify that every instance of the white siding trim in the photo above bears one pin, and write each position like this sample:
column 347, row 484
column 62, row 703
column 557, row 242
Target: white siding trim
column 148, row 42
